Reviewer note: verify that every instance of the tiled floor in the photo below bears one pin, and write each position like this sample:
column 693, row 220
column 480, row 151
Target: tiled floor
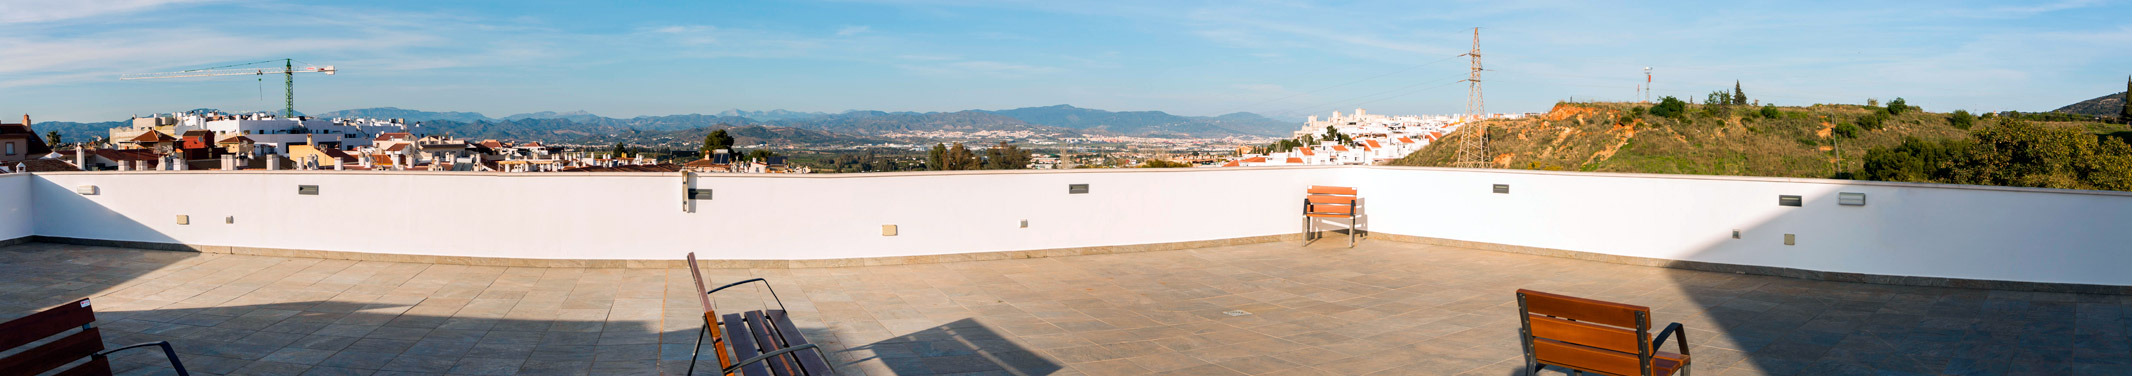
column 1276, row 308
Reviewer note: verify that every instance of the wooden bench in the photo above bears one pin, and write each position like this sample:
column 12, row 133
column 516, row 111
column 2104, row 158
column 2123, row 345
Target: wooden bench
column 1586, row 335
column 1330, row 202
column 87, row 343
column 765, row 341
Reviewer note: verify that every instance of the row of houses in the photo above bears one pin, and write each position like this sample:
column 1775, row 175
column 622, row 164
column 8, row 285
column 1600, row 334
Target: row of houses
column 1368, row 139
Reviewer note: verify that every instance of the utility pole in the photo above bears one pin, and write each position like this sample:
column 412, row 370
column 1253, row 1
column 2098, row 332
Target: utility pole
column 1472, row 149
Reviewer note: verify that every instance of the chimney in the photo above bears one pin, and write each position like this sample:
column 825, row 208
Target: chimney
column 273, row 163
column 229, row 162
column 81, row 158
column 25, row 120
column 338, row 164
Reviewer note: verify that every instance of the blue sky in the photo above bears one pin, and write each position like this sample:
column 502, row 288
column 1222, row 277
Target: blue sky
column 60, row 59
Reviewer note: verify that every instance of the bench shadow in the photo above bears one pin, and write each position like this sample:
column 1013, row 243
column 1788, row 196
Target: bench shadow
column 961, row 347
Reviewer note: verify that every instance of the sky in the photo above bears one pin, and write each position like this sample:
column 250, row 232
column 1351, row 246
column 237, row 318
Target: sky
column 61, row 59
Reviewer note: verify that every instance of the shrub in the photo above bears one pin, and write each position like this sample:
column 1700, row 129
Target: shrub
column 1873, row 122
column 1898, row 106
column 1770, row 112
column 1962, row 119
column 1846, row 130
column 1670, row 107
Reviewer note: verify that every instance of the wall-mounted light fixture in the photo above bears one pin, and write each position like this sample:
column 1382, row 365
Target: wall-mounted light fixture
column 1790, row 200
column 1076, row 189
column 308, row 190
column 1851, row 199
column 1502, row 188
column 85, row 190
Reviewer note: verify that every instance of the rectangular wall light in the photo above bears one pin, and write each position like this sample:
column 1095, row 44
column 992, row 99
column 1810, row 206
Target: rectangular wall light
column 1851, row 199
column 1790, row 200
column 309, row 190
column 1502, row 188
column 1076, row 189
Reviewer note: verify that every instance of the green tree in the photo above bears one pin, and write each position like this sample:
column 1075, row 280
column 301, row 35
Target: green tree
column 760, row 155
column 1670, row 107
column 1717, row 98
column 1915, row 160
column 961, row 158
column 1739, row 97
column 1961, row 119
column 1771, row 112
column 52, row 138
column 620, row 150
column 2125, row 114
column 1898, row 106
column 718, row 139
column 1009, row 157
column 937, row 157
column 1158, row 163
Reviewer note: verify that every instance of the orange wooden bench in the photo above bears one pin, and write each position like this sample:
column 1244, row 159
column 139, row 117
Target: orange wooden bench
column 1330, row 202
column 1586, row 335
column 766, row 340
column 87, row 343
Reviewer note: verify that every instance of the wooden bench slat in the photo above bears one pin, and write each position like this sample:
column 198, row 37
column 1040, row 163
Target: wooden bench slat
column 1331, row 209
column 743, row 345
column 1600, row 336
column 39, row 325
column 95, row 367
column 1581, row 309
column 1331, row 190
column 65, row 350
column 1330, row 200
column 1585, row 358
column 813, row 360
column 760, row 328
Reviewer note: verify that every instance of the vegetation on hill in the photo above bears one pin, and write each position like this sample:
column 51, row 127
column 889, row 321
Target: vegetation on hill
column 1899, row 141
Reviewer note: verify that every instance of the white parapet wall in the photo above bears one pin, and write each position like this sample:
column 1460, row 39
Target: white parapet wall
column 15, row 207
column 1943, row 231
column 1923, row 230
column 639, row 216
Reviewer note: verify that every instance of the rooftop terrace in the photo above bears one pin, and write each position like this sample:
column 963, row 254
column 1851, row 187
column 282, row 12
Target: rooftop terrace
column 1192, row 271
column 1269, row 308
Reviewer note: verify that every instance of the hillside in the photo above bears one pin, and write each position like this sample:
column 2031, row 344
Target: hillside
column 2107, row 106
column 1623, row 137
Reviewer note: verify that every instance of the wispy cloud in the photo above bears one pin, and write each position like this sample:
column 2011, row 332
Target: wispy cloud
column 853, row 30
column 21, row 11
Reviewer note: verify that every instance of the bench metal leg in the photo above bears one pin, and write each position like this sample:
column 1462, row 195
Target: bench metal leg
column 1350, row 232
column 698, row 350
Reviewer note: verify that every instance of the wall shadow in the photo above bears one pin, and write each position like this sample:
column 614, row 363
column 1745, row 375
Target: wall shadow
column 1786, row 321
column 961, row 347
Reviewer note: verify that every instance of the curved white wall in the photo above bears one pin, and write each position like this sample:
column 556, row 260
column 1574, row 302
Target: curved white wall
column 1905, row 230
column 15, row 206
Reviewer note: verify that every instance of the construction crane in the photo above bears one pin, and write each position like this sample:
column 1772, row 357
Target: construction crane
column 287, row 71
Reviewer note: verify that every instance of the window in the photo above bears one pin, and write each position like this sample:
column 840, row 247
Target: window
column 10, row 148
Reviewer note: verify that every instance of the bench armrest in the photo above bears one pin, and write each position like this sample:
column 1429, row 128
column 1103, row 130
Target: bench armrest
column 1672, row 330
column 167, row 353
column 765, row 286
column 773, row 354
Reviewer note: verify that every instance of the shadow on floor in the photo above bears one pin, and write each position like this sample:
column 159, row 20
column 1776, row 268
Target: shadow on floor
column 963, row 346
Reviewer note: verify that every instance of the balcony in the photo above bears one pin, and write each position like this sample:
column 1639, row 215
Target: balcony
column 1186, row 272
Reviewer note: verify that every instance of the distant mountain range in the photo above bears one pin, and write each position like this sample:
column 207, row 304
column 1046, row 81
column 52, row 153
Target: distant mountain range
column 776, row 126
column 2107, row 105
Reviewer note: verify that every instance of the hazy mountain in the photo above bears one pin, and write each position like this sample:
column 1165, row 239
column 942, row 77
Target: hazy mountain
column 878, row 122
column 773, row 115
column 401, row 113
column 1150, row 123
column 579, row 115
column 2107, row 105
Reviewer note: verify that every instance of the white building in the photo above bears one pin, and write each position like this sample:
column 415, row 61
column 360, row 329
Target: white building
column 271, row 134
